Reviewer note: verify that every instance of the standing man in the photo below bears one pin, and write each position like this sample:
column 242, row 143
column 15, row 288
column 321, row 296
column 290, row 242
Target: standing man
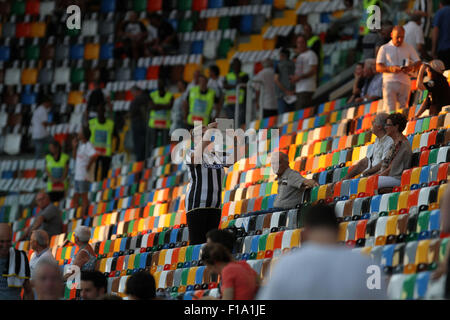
column 200, row 103
column 102, row 130
column 39, row 244
column 284, row 69
column 313, row 42
column 267, row 101
column 233, row 78
column 39, row 123
column 395, row 60
column 11, row 284
column 290, row 182
column 414, row 35
column 441, row 34
column 215, row 82
column 161, row 102
column 138, row 116
column 305, row 77
column 49, row 217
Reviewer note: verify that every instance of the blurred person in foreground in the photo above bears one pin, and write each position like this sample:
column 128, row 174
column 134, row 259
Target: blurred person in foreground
column 321, row 269
column 141, row 286
column 48, row 280
column 93, row 285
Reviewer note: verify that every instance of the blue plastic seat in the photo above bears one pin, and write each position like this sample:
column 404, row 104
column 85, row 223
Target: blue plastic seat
column 421, row 286
column 197, row 47
column 77, row 52
column 387, row 255
column 215, row 4
column 107, row 51
column 434, row 222
column 108, row 6
column 354, row 186
column 140, row 73
column 323, row 177
column 5, row 53
column 246, row 24
column 424, row 174
column 375, row 203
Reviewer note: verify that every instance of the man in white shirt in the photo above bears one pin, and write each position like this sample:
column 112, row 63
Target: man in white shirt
column 396, row 60
column 321, row 269
column 39, row 123
column 414, row 34
column 371, row 163
column 267, row 101
column 85, row 155
column 305, row 74
column 39, row 243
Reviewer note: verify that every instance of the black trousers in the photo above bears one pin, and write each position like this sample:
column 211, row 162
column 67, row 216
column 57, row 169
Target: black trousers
column 105, row 163
column 200, row 221
column 445, row 57
column 56, row 196
column 138, row 132
column 269, row 113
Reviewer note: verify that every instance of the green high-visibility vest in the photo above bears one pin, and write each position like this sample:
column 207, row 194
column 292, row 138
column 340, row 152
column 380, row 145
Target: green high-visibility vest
column 56, row 169
column 310, row 44
column 160, row 118
column 101, row 136
column 230, row 95
column 363, row 30
column 200, row 105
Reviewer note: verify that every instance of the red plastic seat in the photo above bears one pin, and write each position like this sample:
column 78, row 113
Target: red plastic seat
column 154, row 5
column 23, row 29
column 406, row 177
column 32, row 7
column 442, row 171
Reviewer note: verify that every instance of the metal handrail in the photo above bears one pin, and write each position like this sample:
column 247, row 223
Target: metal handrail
column 248, row 102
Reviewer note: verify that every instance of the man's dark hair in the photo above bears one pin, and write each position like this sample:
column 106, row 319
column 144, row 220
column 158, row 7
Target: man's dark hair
column 214, row 69
column 86, row 132
column 285, row 51
column 96, row 277
column 141, row 285
column 45, row 98
column 224, row 237
column 398, row 119
column 445, row 2
column 321, row 216
column 213, row 253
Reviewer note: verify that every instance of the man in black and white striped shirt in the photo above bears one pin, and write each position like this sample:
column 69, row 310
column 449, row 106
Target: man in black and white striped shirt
column 204, row 192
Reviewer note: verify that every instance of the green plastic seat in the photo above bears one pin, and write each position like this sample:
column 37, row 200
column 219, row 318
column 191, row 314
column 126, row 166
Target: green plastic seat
column 335, row 158
column 262, row 242
column 232, row 223
column 432, row 158
column 224, row 23
column 107, row 246
column 131, row 226
column 422, row 221
column 393, row 201
column 32, row 52
column 314, row 193
column 344, row 172
column 137, row 261
column 184, row 276
column 73, row 32
column 189, row 251
column 408, row 287
column 323, row 146
column 139, row 5
column 18, row 8
column 361, row 139
column 265, row 203
column 425, row 124
column 223, row 48
column 184, row 5
column 442, row 249
column 186, row 25
column 161, row 237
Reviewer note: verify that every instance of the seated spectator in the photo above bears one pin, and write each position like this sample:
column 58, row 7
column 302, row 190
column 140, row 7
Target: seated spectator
column 167, row 41
column 225, row 237
column 57, row 169
column 49, row 218
column 320, row 269
column 133, row 33
column 414, row 35
column 239, row 280
column 85, row 257
column 399, row 156
column 358, row 82
column 39, row 243
column 372, row 83
column 93, row 285
column 290, row 182
column 85, row 156
column 141, row 286
column 48, row 281
column 11, row 284
column 437, row 86
column 375, row 156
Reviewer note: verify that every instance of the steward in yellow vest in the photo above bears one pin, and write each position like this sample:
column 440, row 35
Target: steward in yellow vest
column 102, row 130
column 200, row 102
column 232, row 79
column 57, row 168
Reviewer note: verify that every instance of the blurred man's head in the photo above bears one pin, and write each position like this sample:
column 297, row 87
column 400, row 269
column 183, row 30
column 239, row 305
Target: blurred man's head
column 267, row 63
column 39, row 240
column 369, row 68
column 359, row 68
column 141, row 286
column 101, row 112
column 279, row 162
column 93, row 285
column 84, row 134
column 214, row 71
column 181, row 85
column 320, row 225
column 416, row 18
column 225, row 237
column 307, row 31
column 42, row 200
column 378, row 124
column 155, row 20
column 5, row 239
column 55, row 148
column 196, row 76
column 46, row 101
column 386, row 29
column 284, row 54
column 398, row 35
column 236, row 66
column 132, row 16
column 48, row 280
column 301, row 44
column 82, row 235
column 135, row 91
column 202, row 82
column 161, row 85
